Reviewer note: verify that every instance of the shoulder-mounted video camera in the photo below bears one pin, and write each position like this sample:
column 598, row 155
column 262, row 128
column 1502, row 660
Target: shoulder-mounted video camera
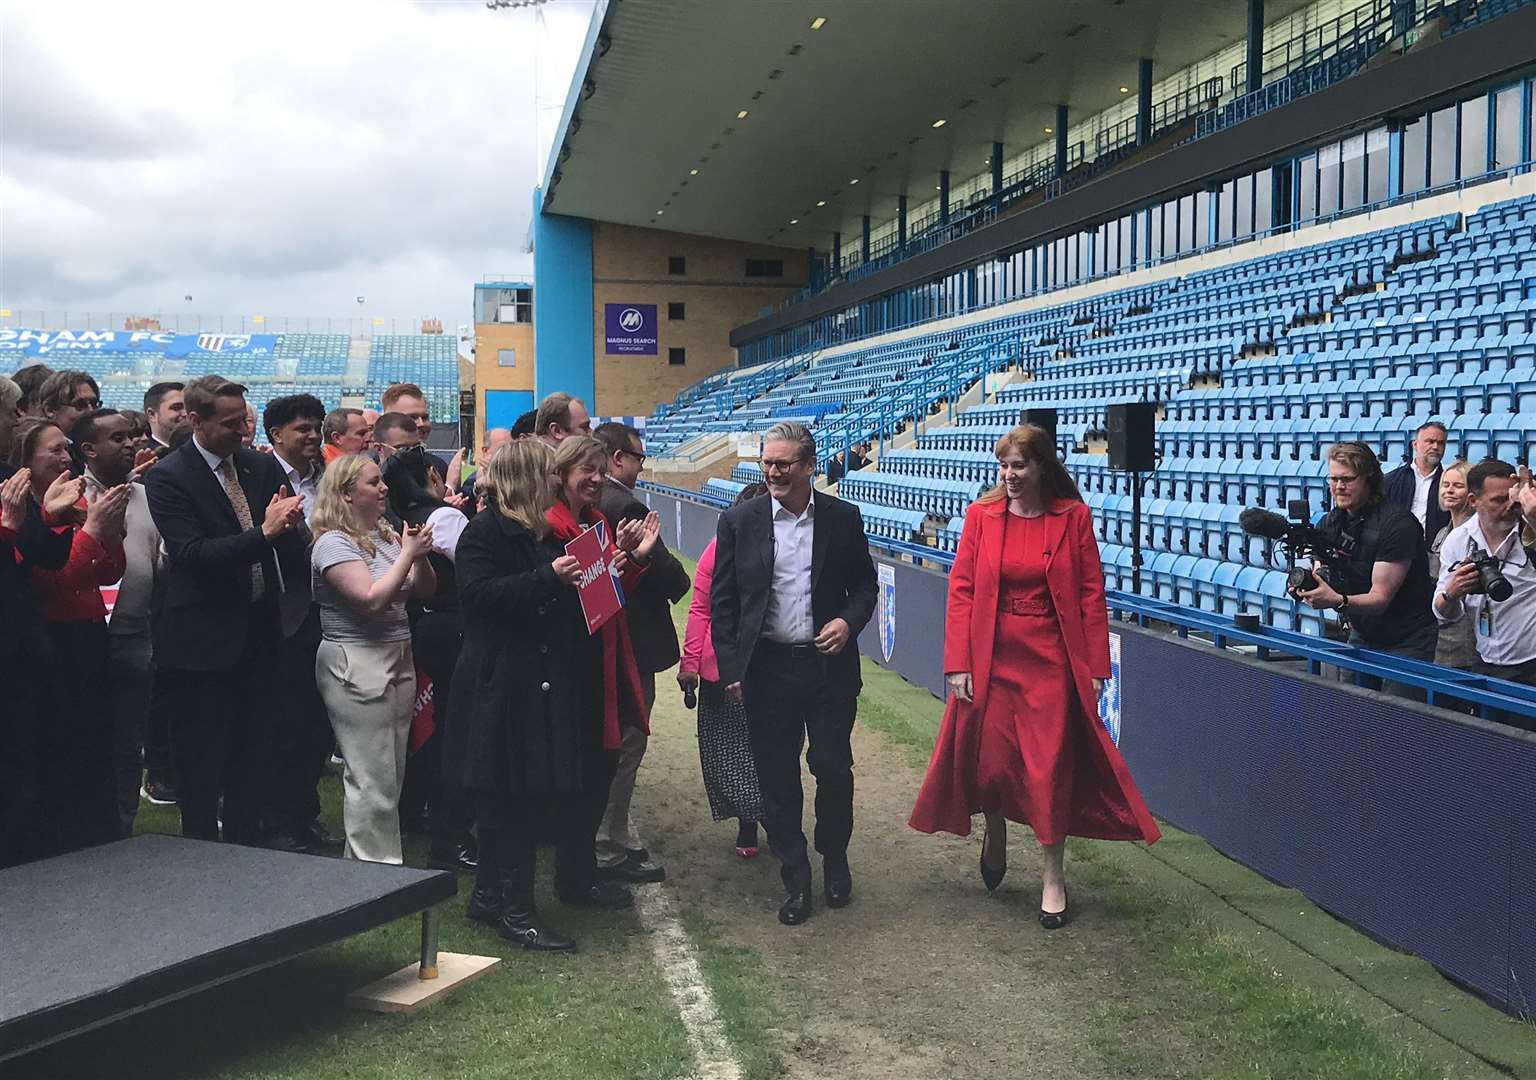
column 1298, row 538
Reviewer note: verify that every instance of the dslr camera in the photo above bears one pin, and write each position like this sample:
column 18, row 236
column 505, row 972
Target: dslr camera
column 1491, row 581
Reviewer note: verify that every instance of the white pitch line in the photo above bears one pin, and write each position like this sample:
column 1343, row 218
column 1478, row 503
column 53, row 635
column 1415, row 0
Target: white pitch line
column 685, row 979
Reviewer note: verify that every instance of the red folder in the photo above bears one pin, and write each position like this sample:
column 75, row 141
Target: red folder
column 602, row 597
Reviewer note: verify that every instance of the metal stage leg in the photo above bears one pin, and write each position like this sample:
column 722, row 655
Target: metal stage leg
column 431, row 923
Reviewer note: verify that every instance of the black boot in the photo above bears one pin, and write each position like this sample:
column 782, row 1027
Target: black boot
column 519, row 921
column 488, row 902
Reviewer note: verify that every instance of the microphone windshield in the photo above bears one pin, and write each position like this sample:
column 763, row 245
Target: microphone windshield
column 1263, row 523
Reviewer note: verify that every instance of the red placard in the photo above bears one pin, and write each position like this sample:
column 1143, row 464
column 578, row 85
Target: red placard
column 602, row 597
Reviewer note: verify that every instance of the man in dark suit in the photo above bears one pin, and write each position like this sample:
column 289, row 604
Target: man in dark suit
column 226, row 519
column 1415, row 487
column 620, row 855
column 793, row 587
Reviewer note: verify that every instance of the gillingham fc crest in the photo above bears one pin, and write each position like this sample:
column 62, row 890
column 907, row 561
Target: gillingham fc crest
column 887, row 610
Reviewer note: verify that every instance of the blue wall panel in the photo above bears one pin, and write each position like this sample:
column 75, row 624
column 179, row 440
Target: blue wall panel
column 562, row 315
column 503, row 407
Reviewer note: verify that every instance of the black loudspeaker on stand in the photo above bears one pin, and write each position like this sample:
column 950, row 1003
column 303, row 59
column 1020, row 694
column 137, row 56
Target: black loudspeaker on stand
column 1132, row 430
column 1044, row 418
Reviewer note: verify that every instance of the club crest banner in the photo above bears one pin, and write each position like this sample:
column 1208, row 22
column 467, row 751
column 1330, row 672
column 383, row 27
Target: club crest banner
column 887, row 609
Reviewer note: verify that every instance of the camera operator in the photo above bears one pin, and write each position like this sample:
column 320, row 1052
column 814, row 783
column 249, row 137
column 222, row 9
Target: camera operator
column 1505, row 630
column 1378, row 579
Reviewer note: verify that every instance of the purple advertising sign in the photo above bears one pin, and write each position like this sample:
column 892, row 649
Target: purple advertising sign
column 629, row 329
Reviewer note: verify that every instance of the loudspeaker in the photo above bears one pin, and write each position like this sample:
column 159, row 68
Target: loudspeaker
column 1042, row 418
column 1132, row 433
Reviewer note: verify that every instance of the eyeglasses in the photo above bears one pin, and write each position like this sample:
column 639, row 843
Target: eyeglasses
column 84, row 403
column 779, row 466
column 1341, row 481
column 638, row 457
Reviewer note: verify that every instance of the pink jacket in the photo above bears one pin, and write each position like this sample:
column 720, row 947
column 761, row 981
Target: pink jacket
column 698, row 645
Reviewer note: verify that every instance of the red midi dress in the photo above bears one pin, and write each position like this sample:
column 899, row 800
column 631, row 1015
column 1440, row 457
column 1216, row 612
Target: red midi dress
column 1032, row 753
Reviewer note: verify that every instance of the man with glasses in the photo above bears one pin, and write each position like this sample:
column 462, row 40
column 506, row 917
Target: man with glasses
column 620, row 854
column 66, row 396
column 1381, row 585
column 793, row 587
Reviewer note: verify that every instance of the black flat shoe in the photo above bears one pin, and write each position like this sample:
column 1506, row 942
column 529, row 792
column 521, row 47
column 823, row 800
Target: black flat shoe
column 838, row 887
column 486, row 905
column 460, row 859
column 796, row 908
column 1055, row 920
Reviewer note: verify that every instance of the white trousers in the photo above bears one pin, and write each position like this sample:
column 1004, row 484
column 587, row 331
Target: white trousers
column 369, row 689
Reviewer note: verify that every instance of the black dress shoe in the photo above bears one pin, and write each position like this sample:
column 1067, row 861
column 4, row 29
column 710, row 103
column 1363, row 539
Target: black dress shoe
column 838, row 886
column 1055, row 920
column 460, row 858
column 633, row 871
column 603, row 894
column 321, row 838
column 287, row 841
column 523, row 928
column 796, row 908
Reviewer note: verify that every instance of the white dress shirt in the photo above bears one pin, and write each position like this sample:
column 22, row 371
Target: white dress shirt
column 1423, row 491
column 788, row 618
column 306, row 486
column 1505, row 632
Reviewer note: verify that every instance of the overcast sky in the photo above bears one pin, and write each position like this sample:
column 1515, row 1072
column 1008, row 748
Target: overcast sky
column 280, row 157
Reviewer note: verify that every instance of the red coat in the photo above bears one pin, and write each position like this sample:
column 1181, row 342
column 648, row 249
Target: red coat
column 1073, row 574
column 1111, row 807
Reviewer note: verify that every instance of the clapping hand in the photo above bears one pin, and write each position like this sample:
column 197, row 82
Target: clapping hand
column 61, row 499
column 104, row 517
column 14, row 494
column 627, row 537
column 457, row 501
column 142, row 462
column 284, row 513
column 416, row 542
column 1524, row 494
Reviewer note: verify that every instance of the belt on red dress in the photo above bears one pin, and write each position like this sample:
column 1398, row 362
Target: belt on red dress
column 1025, row 605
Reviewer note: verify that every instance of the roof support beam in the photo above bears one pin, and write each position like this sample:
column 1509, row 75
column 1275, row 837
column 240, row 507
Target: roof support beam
column 1255, row 44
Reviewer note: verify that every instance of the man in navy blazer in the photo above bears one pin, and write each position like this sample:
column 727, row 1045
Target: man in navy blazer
column 217, row 629
column 1415, row 486
column 793, row 587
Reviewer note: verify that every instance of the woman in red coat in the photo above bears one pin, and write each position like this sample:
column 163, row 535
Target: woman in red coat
column 1026, row 653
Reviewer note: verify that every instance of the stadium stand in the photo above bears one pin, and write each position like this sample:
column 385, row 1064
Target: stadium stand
column 1257, row 367
column 299, row 363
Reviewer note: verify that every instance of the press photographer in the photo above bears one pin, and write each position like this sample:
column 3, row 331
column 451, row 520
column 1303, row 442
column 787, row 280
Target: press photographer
column 1488, row 572
column 1377, row 578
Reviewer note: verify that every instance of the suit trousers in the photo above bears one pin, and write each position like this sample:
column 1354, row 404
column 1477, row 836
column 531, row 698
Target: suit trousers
column 301, row 733
column 129, row 673
column 220, row 726
column 79, row 791
column 788, row 703
column 369, row 689
column 616, row 834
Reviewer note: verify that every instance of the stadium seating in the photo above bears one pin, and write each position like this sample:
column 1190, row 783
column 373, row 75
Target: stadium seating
column 1257, row 367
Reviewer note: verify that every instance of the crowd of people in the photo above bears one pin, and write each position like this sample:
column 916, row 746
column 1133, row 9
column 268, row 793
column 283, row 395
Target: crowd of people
column 190, row 620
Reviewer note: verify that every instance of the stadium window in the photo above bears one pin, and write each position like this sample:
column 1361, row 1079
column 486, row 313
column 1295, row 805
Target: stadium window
column 1352, row 172
column 765, row 268
column 1327, row 179
column 1506, row 127
column 1226, row 206
column 677, row 357
column 1474, row 137
column 1202, row 219
column 1242, row 206
column 1442, row 147
column 677, row 264
column 506, row 358
column 675, row 312
column 1155, row 233
column 1415, row 155
column 1377, row 144
column 1306, row 184
column 1187, row 223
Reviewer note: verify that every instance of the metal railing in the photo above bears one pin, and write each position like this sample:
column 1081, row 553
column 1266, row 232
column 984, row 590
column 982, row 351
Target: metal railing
column 1440, row 685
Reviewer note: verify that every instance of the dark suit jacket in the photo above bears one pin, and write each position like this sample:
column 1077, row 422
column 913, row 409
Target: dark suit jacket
column 652, row 630
column 1399, row 492
column 40, row 546
column 842, row 584
column 204, row 621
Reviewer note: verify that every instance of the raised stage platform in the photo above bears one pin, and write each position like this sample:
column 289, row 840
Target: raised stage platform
column 97, row 935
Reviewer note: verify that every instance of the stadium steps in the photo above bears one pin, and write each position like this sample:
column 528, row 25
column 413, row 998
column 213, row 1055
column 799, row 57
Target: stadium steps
column 358, row 350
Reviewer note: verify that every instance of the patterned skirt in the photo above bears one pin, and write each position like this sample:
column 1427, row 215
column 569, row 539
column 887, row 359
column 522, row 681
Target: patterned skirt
column 725, row 754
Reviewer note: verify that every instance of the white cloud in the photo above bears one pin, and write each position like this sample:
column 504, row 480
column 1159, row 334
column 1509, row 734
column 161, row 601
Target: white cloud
column 278, row 158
